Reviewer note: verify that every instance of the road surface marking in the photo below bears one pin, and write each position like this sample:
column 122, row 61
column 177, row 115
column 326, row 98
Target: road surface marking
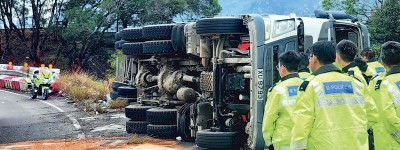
column 74, row 121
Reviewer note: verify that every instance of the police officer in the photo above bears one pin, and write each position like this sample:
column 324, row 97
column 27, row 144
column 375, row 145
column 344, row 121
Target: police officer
column 304, row 72
column 277, row 121
column 345, row 56
column 330, row 112
column 374, row 67
column 346, row 52
column 387, row 90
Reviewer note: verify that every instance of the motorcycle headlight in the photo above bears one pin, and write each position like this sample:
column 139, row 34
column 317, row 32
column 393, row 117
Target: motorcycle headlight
column 49, row 91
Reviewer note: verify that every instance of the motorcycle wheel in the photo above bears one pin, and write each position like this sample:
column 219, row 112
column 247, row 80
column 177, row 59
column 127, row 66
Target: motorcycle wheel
column 45, row 94
column 33, row 94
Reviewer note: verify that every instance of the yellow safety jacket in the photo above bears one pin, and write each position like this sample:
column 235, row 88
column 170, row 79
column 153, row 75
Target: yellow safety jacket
column 355, row 72
column 382, row 138
column 304, row 73
column 388, row 93
column 277, row 122
column 374, row 68
column 330, row 113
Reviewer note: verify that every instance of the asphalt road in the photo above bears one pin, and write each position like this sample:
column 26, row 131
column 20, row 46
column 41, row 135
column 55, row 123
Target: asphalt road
column 24, row 119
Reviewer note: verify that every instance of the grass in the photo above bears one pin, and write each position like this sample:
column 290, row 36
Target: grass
column 119, row 103
column 135, row 139
column 81, row 86
column 85, row 89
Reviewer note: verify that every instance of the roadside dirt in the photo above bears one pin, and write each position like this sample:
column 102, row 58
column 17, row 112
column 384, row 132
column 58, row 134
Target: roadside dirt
column 93, row 144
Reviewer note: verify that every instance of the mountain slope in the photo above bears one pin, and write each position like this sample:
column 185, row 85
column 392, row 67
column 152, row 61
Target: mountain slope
column 283, row 7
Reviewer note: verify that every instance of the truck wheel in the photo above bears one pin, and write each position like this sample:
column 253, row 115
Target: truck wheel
column 157, row 32
column 132, row 48
column 226, row 140
column 136, row 126
column 127, row 92
column 184, row 122
column 132, row 34
column 137, row 112
column 117, row 84
column 161, row 116
column 178, row 38
column 117, row 36
column 161, row 131
column 221, row 26
column 113, row 94
column 158, row 47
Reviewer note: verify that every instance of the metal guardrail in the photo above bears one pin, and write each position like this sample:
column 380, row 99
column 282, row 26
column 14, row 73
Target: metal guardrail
column 13, row 73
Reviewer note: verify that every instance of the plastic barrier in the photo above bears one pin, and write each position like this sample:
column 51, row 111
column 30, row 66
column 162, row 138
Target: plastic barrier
column 18, row 83
column 2, row 83
column 7, row 81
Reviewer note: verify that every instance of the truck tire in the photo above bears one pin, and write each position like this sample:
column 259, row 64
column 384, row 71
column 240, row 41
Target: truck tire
column 221, row 26
column 117, row 36
column 136, row 126
column 157, row 32
column 132, row 48
column 127, row 92
column 113, row 94
column 161, row 131
column 183, row 122
column 158, row 47
column 117, row 84
column 161, row 116
column 178, row 38
column 137, row 112
column 220, row 140
column 132, row 34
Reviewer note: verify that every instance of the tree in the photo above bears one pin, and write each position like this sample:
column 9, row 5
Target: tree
column 358, row 8
column 384, row 23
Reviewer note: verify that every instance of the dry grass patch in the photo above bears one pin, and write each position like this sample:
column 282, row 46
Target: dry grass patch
column 119, row 103
column 135, row 139
column 81, row 86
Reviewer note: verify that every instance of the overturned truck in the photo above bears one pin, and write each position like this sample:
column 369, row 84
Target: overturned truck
column 206, row 81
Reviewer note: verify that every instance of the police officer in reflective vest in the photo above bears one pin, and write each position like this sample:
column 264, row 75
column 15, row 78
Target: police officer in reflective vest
column 345, row 54
column 330, row 112
column 304, row 72
column 387, row 89
column 277, row 121
column 374, row 67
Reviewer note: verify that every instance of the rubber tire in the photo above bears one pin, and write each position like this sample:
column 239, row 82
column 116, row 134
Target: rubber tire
column 158, row 47
column 221, row 26
column 136, row 126
column 33, row 94
column 117, row 84
column 178, row 38
column 137, row 112
column 45, row 94
column 132, row 34
column 225, row 140
column 117, row 36
column 183, row 123
column 158, row 32
column 127, row 92
column 161, row 131
column 114, row 95
column 161, row 116
column 132, row 48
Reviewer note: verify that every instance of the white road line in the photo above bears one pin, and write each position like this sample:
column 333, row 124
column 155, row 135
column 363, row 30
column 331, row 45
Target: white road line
column 74, row 121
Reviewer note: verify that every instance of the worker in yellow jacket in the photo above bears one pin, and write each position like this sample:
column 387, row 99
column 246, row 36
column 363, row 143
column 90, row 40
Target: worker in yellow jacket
column 374, row 67
column 281, row 98
column 346, row 52
column 387, row 93
column 330, row 112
